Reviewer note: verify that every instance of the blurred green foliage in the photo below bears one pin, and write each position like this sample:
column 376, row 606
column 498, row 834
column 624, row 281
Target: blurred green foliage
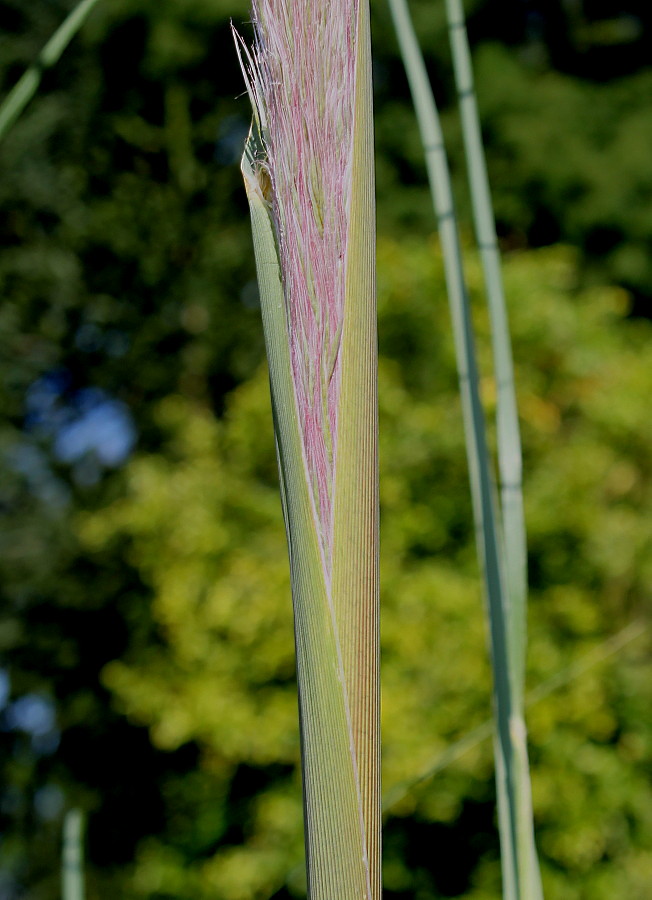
column 148, row 603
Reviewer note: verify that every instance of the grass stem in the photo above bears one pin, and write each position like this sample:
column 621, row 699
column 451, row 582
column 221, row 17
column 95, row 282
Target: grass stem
column 25, row 88
column 520, row 870
column 72, row 863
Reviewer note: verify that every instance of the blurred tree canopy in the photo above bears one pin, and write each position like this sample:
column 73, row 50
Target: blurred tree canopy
column 145, row 625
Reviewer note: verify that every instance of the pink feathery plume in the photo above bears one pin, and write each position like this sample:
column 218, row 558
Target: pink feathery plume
column 304, row 74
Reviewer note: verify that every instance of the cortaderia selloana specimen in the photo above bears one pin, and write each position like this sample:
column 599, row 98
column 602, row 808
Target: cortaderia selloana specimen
column 308, row 172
